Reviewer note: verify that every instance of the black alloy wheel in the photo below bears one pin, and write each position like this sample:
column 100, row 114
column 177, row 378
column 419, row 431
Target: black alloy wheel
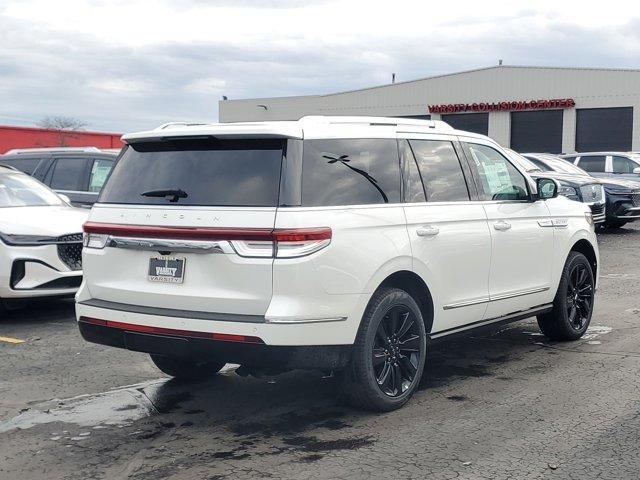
column 389, row 354
column 579, row 296
column 396, row 351
column 573, row 303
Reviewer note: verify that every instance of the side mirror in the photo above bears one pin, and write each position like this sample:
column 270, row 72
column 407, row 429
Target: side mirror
column 636, row 170
column 64, row 198
column 547, row 188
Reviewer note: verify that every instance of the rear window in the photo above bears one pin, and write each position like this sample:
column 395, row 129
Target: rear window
column 205, row 172
column 350, row 172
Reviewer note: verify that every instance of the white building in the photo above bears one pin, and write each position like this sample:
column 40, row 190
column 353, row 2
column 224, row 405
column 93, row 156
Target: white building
column 544, row 109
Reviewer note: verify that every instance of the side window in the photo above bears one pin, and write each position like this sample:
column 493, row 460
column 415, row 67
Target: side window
column 413, row 189
column 623, row 165
column 499, row 179
column 99, row 173
column 68, row 174
column 350, row 172
column 440, row 170
column 26, row 165
column 593, row 163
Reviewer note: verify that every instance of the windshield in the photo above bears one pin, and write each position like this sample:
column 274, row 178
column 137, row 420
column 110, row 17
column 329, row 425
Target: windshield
column 204, row 172
column 563, row 166
column 20, row 190
column 524, row 162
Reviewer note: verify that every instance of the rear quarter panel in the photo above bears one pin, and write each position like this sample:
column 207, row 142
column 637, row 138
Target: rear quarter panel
column 368, row 244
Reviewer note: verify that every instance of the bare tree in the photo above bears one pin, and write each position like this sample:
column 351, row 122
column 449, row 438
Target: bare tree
column 64, row 126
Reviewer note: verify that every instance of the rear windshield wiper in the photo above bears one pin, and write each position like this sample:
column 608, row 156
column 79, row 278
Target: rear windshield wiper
column 172, row 194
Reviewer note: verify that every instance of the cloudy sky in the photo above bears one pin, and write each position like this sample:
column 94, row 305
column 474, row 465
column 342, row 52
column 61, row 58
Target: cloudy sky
column 123, row 65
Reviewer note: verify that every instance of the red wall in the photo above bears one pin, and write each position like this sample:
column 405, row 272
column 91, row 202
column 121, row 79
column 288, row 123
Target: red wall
column 30, row 137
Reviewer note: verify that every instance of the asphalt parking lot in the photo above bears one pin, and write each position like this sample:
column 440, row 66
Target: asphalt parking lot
column 506, row 404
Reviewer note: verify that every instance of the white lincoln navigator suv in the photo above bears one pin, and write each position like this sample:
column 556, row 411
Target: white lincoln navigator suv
column 336, row 243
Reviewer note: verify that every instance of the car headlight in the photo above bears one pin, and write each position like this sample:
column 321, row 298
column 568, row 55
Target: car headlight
column 27, row 240
column 567, row 191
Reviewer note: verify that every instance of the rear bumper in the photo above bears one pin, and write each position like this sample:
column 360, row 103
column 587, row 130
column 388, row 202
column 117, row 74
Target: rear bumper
column 182, row 344
column 294, row 330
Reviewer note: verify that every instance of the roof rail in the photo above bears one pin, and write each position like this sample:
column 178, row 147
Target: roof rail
column 18, row 151
column 164, row 126
column 377, row 121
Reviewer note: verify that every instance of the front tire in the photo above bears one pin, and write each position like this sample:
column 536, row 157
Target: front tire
column 185, row 368
column 573, row 304
column 389, row 354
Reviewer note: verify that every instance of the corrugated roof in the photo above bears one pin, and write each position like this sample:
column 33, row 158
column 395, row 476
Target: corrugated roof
column 443, row 75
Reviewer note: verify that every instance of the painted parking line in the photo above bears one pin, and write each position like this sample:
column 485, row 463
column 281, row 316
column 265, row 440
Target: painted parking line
column 10, row 340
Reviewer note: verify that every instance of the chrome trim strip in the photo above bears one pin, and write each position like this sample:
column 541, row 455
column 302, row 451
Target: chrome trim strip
column 521, row 293
column 466, row 303
column 178, row 246
column 293, row 321
column 502, row 296
column 172, row 312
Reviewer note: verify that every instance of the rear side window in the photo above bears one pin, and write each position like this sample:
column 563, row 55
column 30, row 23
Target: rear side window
column 593, row 163
column 413, row 188
column 26, row 165
column 205, row 172
column 68, row 174
column 440, row 170
column 350, row 172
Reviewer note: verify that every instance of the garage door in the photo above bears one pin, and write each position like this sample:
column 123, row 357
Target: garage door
column 539, row 131
column 599, row 129
column 469, row 122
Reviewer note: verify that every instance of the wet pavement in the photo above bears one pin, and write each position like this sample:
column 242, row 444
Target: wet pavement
column 505, row 404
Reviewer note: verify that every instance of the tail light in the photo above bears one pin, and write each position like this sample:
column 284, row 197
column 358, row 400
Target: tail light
column 285, row 243
column 250, row 242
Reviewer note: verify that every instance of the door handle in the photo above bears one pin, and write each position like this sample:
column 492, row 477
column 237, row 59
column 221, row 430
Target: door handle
column 502, row 226
column 427, row 231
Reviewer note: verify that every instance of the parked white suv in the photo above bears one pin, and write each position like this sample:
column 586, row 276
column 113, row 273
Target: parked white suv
column 40, row 240
column 338, row 243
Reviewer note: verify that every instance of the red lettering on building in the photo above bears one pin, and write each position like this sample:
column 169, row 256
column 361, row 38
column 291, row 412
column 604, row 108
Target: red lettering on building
column 503, row 106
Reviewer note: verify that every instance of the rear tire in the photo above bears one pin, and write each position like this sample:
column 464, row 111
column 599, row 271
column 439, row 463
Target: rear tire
column 573, row 304
column 185, row 368
column 389, row 354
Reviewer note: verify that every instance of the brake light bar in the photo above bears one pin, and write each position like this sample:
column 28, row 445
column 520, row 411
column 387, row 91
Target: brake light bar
column 178, row 233
column 247, row 242
column 131, row 327
column 209, row 233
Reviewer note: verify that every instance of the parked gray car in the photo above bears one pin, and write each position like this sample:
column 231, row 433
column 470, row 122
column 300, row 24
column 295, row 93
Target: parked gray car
column 622, row 193
column 76, row 172
column 608, row 164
